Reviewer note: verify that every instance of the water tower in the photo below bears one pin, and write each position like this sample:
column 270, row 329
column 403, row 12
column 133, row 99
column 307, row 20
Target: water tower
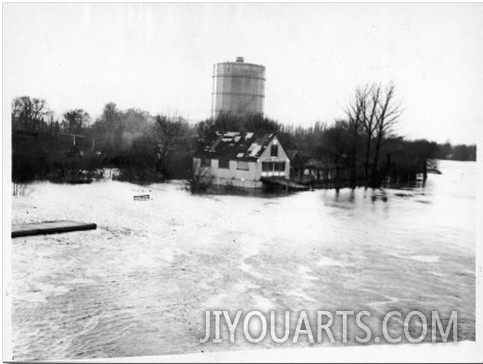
column 238, row 88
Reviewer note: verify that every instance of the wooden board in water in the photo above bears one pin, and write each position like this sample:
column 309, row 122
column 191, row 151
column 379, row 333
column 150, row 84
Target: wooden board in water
column 50, row 227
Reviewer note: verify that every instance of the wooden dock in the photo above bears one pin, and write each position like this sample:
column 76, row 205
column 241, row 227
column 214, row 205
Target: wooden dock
column 288, row 184
column 50, row 227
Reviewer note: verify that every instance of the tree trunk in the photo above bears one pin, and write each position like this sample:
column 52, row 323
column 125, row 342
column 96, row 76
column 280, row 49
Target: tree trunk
column 375, row 172
column 366, row 162
column 425, row 169
column 354, row 160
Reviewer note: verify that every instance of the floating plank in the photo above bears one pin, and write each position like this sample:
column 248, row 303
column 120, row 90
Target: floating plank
column 50, row 227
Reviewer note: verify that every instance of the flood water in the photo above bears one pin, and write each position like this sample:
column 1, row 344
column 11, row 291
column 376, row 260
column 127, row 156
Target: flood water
column 140, row 284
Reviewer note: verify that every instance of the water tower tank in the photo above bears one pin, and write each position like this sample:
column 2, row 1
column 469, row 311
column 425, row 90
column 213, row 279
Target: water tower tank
column 238, row 88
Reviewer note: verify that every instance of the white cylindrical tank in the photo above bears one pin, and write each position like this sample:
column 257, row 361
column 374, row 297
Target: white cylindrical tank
column 238, row 88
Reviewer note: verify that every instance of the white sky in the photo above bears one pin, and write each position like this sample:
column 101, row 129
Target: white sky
column 159, row 57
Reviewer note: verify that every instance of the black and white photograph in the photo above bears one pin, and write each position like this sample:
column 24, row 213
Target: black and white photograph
column 241, row 182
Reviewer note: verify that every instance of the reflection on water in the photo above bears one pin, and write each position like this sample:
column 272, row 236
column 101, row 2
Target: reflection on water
column 140, row 283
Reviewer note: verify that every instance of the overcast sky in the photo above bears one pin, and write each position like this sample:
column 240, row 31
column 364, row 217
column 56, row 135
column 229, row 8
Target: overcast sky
column 159, row 57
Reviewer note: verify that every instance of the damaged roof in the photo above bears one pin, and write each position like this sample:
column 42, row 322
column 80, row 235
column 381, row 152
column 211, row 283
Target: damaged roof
column 236, row 145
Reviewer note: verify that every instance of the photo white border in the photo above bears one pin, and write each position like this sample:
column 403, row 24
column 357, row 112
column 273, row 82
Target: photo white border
column 438, row 352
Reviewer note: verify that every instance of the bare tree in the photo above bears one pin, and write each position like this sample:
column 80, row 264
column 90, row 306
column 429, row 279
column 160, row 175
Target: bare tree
column 200, row 178
column 76, row 120
column 372, row 114
column 28, row 113
column 356, row 115
column 369, row 123
column 108, row 129
column 170, row 134
column 387, row 115
column 334, row 143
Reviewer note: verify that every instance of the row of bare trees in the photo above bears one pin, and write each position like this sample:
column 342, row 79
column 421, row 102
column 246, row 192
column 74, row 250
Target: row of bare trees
column 33, row 115
column 147, row 147
column 29, row 113
column 44, row 148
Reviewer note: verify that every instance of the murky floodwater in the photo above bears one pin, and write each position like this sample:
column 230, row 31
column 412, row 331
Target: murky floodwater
column 141, row 282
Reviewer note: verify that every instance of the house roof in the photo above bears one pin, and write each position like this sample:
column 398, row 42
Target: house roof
column 236, row 145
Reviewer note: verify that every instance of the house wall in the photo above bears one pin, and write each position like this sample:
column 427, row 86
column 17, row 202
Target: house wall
column 281, row 157
column 233, row 172
column 233, row 176
column 244, row 183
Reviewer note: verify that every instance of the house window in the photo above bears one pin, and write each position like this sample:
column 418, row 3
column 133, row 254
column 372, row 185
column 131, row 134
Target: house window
column 282, row 167
column 242, row 165
column 274, row 150
column 224, row 163
column 205, row 162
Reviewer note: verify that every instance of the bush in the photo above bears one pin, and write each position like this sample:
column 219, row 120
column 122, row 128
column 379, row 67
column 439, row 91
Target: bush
column 200, row 179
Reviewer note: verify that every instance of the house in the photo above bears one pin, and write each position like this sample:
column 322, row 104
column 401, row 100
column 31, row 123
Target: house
column 323, row 170
column 243, row 159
